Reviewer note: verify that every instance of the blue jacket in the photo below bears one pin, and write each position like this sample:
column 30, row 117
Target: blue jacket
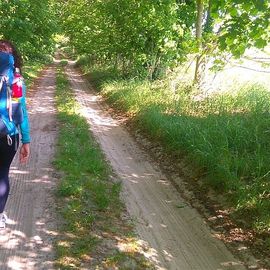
column 7, row 69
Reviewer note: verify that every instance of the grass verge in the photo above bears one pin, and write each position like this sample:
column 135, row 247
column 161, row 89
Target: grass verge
column 31, row 71
column 88, row 199
column 226, row 137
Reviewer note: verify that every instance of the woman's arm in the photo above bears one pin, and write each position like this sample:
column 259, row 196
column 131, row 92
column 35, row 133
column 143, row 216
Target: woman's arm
column 24, row 126
column 25, row 131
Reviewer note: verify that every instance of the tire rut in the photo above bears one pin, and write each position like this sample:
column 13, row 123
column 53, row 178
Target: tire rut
column 26, row 244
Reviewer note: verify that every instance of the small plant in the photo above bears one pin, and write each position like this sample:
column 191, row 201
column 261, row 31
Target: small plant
column 63, row 63
column 31, row 70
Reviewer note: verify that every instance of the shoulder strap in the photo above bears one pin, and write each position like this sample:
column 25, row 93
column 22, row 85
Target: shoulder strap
column 4, row 80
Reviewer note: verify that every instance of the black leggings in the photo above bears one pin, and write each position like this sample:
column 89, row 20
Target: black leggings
column 7, row 153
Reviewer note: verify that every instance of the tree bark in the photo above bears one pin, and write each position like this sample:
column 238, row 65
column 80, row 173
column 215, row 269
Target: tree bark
column 199, row 22
column 209, row 20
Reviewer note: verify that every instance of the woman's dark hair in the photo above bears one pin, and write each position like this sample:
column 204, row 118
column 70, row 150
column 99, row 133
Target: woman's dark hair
column 7, row 47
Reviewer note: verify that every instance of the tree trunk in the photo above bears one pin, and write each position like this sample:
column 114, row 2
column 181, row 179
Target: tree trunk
column 209, row 19
column 198, row 38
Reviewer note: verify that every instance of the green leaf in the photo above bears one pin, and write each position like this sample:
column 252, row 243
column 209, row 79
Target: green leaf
column 260, row 43
column 233, row 12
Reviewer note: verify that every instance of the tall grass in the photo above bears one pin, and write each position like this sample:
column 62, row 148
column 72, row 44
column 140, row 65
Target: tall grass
column 226, row 135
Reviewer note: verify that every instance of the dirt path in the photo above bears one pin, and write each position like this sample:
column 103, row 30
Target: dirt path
column 26, row 244
column 176, row 234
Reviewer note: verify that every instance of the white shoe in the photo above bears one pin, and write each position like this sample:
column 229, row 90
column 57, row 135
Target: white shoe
column 3, row 220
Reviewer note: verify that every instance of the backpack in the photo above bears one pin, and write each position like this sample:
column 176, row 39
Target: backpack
column 11, row 114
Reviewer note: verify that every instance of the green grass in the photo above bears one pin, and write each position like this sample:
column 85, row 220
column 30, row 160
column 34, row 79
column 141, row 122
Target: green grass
column 31, row 71
column 88, row 200
column 226, row 136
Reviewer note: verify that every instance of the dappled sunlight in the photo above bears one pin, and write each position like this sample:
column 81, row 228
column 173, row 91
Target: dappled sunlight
column 60, row 58
column 135, row 245
column 11, row 221
column 168, row 201
column 27, row 241
column 12, row 239
column 104, row 123
column 133, row 181
column 72, row 62
column 90, row 113
column 141, row 178
column 136, row 178
column 168, row 256
column 232, row 234
column 43, row 109
column 229, row 264
column 164, row 182
column 15, row 263
column 100, row 121
column 44, row 179
column 15, row 170
column 171, row 232
column 26, row 248
column 176, row 235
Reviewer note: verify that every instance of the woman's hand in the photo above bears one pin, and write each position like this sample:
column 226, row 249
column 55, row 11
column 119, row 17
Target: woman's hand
column 24, row 152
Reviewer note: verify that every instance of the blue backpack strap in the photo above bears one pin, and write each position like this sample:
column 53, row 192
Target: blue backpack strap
column 1, row 82
column 6, row 123
column 5, row 82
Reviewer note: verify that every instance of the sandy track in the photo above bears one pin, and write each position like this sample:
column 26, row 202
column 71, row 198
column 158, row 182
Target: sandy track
column 26, row 244
column 175, row 233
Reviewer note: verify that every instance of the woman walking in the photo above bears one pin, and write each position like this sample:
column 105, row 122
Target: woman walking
column 10, row 127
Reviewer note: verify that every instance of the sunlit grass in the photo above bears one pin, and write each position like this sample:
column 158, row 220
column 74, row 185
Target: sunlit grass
column 31, row 71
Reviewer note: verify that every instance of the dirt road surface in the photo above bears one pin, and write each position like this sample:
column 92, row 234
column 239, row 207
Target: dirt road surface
column 177, row 237
column 26, row 244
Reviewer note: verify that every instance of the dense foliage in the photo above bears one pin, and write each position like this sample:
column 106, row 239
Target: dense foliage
column 144, row 38
column 29, row 24
column 150, row 36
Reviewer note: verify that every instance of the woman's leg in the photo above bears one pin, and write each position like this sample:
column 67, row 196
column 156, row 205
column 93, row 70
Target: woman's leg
column 7, row 153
